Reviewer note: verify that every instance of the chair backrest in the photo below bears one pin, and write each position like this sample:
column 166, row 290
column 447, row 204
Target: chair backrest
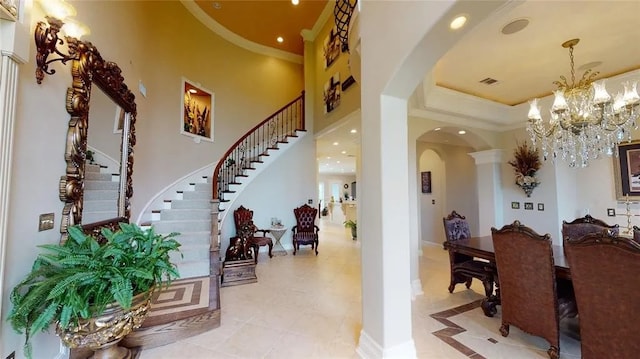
column 527, row 280
column 585, row 225
column 456, row 227
column 305, row 218
column 242, row 216
column 636, row 234
column 605, row 269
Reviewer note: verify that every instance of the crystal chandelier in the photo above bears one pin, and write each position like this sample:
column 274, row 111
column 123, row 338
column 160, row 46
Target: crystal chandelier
column 585, row 120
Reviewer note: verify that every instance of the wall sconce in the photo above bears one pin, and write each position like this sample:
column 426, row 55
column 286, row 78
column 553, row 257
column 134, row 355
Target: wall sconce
column 47, row 38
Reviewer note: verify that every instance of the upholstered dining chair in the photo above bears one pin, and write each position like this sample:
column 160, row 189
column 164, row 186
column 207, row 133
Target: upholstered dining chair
column 605, row 269
column 243, row 219
column 463, row 267
column 530, row 296
column 636, row 234
column 305, row 232
column 585, row 225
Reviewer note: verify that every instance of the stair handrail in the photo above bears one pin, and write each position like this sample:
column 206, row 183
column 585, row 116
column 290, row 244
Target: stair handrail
column 231, row 158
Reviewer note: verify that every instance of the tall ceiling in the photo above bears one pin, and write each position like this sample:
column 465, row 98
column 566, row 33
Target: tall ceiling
column 524, row 63
column 262, row 21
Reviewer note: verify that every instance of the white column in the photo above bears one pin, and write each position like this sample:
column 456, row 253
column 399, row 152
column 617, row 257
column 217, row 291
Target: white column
column 309, row 78
column 386, row 298
column 15, row 41
column 490, row 211
column 414, row 217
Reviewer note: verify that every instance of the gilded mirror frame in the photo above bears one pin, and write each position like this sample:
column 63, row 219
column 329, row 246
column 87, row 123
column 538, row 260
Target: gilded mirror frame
column 89, row 68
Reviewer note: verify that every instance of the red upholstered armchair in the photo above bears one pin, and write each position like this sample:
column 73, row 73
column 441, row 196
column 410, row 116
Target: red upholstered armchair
column 243, row 219
column 305, row 231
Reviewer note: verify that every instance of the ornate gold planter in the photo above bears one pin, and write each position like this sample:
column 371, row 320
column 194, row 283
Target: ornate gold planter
column 102, row 334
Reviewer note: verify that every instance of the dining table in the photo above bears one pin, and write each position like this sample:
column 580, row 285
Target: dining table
column 482, row 247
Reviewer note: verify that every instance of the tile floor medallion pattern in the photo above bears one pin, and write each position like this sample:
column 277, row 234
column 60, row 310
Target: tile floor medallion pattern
column 308, row 306
column 183, row 298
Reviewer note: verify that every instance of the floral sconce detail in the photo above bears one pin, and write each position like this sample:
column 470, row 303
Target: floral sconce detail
column 526, row 163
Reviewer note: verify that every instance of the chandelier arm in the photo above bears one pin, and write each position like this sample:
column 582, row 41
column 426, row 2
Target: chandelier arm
column 541, row 131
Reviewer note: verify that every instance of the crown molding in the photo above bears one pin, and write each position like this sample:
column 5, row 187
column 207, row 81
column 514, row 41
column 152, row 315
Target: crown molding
column 235, row 39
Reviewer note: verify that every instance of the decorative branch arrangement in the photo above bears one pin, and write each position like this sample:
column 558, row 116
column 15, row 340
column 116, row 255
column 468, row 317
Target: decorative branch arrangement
column 526, row 163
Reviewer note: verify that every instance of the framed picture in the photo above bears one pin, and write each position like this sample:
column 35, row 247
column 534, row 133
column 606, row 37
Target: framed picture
column 197, row 111
column 515, row 205
column 626, row 168
column 611, row 212
column 332, row 93
column 426, row 182
column 540, row 206
column 528, row 206
column 331, row 47
column 118, row 123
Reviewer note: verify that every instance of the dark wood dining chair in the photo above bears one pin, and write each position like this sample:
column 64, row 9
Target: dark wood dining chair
column 305, row 232
column 463, row 267
column 531, row 298
column 585, row 225
column 243, row 219
column 605, row 269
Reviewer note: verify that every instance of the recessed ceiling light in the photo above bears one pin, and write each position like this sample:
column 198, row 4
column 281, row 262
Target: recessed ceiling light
column 458, row 22
column 328, row 157
column 193, row 90
column 515, row 26
column 217, row 6
column 337, row 161
column 335, row 143
column 344, row 152
column 437, row 129
column 280, row 39
column 295, row 2
column 354, row 131
column 462, row 132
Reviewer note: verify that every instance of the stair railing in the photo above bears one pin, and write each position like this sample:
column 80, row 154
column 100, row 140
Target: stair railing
column 255, row 143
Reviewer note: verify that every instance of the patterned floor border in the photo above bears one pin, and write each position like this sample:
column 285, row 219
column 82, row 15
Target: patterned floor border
column 452, row 329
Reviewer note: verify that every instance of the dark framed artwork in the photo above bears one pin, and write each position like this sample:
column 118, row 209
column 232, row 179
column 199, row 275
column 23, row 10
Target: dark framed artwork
column 331, row 47
column 540, row 206
column 426, row 182
column 332, row 93
column 626, row 168
column 611, row 212
column 528, row 206
column 515, row 205
column 197, row 111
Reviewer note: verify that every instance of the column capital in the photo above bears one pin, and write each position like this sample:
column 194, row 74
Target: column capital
column 308, row 35
column 488, row 156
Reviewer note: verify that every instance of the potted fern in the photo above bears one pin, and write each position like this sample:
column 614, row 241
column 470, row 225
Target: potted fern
column 74, row 283
column 354, row 228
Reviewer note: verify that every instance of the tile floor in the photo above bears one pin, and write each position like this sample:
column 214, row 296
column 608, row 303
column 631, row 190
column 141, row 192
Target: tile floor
column 305, row 306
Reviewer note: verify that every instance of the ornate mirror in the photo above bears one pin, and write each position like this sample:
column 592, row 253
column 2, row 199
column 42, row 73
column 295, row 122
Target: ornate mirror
column 109, row 104
column 97, row 187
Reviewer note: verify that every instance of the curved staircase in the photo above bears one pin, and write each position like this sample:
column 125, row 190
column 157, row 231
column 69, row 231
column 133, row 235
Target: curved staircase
column 191, row 305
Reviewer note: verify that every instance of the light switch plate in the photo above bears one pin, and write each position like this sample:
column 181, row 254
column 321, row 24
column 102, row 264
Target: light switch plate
column 46, row 222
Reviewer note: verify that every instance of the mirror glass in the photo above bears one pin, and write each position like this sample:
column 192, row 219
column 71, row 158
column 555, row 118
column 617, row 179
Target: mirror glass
column 97, row 186
column 102, row 166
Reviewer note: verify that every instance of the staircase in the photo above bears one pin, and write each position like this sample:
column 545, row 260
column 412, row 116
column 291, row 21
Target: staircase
column 192, row 305
column 100, row 194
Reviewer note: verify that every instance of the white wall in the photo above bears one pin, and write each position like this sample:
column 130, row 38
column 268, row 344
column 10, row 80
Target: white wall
column 432, row 204
column 156, row 43
column 287, row 183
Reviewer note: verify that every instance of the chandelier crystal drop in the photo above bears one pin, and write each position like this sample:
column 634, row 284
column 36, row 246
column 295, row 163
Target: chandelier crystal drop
column 585, row 121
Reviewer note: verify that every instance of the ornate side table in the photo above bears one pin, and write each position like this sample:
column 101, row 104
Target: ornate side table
column 277, row 233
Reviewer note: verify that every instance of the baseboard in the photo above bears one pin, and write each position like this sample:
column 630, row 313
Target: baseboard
column 370, row 349
column 416, row 288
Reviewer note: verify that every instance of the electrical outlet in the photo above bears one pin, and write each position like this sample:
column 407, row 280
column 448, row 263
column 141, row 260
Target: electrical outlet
column 45, row 222
column 12, row 355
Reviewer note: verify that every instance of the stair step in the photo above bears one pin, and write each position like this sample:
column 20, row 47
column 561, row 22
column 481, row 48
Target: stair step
column 99, row 205
column 272, row 148
column 98, row 194
column 188, row 214
column 101, row 185
column 97, row 176
column 193, row 269
column 180, row 226
column 92, row 217
column 190, row 253
column 191, row 204
column 248, row 168
column 189, row 195
column 194, row 238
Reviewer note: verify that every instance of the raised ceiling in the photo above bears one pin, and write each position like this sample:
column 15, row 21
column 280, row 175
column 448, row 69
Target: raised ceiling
column 524, row 63
column 263, row 21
